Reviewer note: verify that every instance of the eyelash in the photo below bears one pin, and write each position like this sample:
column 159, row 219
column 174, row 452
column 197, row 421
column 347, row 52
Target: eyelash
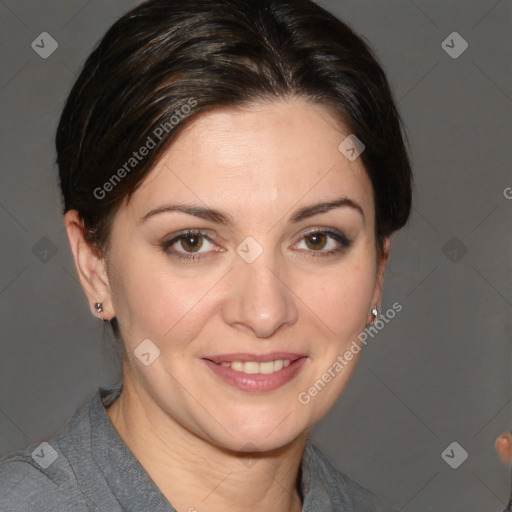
column 339, row 237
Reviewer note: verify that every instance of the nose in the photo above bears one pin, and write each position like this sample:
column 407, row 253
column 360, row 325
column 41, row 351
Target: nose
column 259, row 301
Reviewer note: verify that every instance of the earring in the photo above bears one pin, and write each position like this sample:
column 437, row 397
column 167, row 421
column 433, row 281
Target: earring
column 375, row 313
column 99, row 307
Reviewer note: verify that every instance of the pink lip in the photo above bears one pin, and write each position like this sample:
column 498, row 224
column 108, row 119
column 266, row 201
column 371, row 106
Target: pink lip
column 259, row 358
column 256, row 382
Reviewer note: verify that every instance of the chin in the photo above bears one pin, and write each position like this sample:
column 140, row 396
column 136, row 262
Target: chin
column 256, row 443
column 263, row 437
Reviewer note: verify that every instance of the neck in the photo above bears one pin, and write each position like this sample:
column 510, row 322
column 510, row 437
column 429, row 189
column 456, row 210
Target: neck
column 193, row 473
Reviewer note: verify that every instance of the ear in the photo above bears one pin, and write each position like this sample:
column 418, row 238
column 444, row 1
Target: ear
column 382, row 263
column 90, row 266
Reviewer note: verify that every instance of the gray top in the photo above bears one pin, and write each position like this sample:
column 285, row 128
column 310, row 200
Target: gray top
column 87, row 467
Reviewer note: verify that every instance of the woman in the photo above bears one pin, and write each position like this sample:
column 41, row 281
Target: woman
column 232, row 173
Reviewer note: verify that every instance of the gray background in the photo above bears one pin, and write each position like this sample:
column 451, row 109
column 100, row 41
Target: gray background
column 437, row 373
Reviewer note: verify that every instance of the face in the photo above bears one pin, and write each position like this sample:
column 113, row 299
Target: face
column 254, row 272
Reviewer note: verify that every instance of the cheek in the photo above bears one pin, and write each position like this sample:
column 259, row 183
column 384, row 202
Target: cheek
column 153, row 302
column 341, row 298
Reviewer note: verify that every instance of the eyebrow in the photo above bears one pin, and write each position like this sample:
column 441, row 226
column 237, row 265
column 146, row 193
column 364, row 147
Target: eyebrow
column 225, row 219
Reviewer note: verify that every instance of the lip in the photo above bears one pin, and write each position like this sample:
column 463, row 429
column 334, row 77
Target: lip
column 256, row 382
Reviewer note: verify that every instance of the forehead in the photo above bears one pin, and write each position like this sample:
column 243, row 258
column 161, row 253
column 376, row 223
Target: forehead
column 266, row 155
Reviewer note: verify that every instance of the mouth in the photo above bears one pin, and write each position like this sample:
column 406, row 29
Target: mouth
column 256, row 363
column 256, row 372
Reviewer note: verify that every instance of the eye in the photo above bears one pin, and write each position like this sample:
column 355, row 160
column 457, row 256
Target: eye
column 324, row 243
column 189, row 245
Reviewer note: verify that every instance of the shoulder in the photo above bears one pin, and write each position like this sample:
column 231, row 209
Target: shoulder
column 27, row 485
column 41, row 477
column 342, row 489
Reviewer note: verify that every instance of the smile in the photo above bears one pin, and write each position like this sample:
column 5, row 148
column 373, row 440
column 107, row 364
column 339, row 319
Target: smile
column 253, row 367
column 243, row 372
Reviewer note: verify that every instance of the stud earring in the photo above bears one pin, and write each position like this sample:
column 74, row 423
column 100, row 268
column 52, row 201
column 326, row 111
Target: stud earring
column 375, row 313
column 99, row 307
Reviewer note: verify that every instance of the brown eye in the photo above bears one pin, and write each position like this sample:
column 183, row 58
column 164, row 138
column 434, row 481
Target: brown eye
column 323, row 243
column 316, row 241
column 191, row 245
column 191, row 242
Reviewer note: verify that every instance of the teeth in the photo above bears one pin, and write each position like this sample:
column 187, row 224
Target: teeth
column 237, row 365
column 267, row 367
column 252, row 367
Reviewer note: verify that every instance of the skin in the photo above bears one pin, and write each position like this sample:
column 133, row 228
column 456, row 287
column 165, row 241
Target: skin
column 184, row 424
column 503, row 447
